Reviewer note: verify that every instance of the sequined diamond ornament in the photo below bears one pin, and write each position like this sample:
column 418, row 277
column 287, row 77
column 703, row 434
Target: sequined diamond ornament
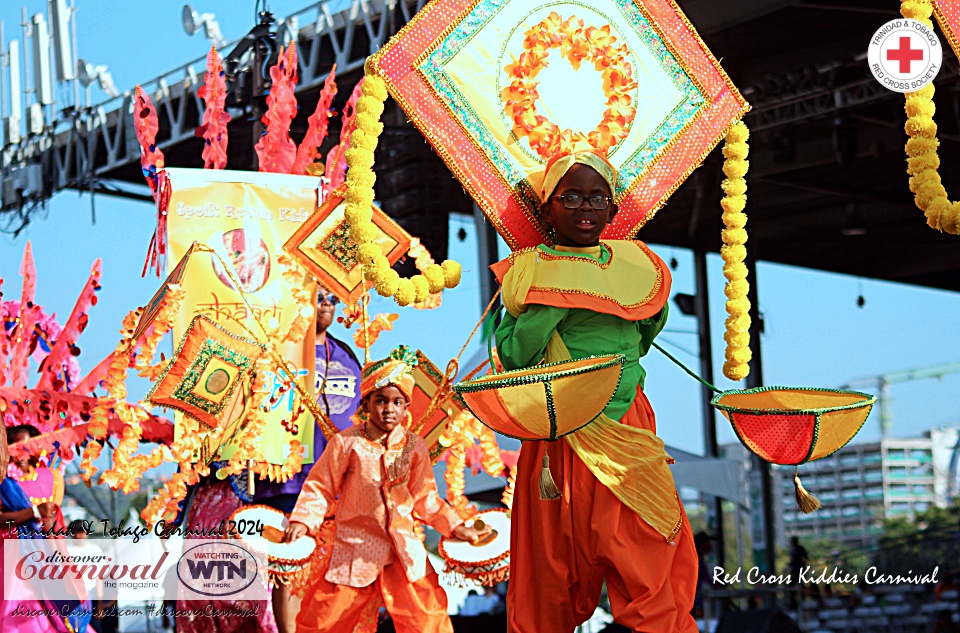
column 175, row 278
column 427, row 380
column 323, row 246
column 499, row 86
column 209, row 365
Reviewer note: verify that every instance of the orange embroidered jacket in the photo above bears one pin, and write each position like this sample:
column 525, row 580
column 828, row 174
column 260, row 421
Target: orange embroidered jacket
column 379, row 491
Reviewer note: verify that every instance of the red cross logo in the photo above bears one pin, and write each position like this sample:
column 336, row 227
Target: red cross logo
column 905, row 55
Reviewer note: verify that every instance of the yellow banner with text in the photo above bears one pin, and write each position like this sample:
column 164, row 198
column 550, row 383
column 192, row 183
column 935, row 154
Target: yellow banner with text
column 245, row 217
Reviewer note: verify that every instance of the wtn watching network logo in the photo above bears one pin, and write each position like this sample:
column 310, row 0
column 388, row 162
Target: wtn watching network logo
column 219, row 569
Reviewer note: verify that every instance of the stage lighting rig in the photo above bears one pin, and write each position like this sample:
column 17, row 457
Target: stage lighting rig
column 192, row 21
column 87, row 73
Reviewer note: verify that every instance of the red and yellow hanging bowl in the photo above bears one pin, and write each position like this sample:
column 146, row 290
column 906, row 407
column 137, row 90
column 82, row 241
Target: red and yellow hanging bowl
column 794, row 425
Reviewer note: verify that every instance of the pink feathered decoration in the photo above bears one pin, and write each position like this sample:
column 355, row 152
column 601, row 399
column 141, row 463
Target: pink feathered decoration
column 155, row 429
column 151, row 160
column 336, row 171
column 275, row 149
column 146, row 126
column 213, row 128
column 52, row 367
column 317, row 125
column 22, row 334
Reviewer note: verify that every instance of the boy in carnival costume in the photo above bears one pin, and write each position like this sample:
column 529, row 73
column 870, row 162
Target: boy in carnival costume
column 380, row 474
column 608, row 507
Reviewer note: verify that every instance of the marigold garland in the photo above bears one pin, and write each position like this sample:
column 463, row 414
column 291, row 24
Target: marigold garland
column 298, row 279
column 923, row 162
column 113, row 382
column 577, row 44
column 737, row 335
column 432, row 272
column 456, row 438
column 359, row 212
column 128, row 467
column 462, row 432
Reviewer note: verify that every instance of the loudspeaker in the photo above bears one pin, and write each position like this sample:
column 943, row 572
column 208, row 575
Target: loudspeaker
column 757, row 621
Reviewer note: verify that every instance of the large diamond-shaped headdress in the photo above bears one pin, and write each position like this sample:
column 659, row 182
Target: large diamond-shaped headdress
column 499, row 86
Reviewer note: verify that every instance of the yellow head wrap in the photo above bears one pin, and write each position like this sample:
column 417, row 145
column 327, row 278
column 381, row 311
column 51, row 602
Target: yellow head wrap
column 559, row 165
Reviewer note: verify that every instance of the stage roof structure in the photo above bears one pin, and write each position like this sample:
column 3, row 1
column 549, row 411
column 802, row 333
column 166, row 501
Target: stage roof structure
column 827, row 184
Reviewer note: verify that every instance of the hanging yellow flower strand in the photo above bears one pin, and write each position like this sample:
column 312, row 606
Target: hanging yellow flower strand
column 923, row 161
column 734, row 252
column 359, row 212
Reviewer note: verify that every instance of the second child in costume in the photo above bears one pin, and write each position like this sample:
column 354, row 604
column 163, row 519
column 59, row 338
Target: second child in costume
column 614, row 514
column 379, row 473
column 337, row 374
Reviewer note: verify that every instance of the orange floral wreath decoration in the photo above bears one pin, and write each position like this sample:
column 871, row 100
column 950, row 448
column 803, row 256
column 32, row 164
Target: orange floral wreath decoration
column 577, row 43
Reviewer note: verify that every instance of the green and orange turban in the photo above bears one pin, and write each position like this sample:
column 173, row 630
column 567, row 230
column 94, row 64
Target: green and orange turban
column 396, row 370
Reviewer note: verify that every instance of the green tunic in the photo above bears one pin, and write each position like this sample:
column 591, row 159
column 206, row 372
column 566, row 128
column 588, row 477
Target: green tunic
column 522, row 341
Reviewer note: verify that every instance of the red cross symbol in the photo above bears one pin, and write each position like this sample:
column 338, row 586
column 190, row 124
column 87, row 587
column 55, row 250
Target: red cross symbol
column 905, row 54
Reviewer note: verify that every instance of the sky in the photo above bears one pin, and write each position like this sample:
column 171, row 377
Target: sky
column 816, row 335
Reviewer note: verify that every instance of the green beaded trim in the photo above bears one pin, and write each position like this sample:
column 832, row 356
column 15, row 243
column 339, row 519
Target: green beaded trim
column 428, row 367
column 715, row 402
column 471, row 386
column 551, row 411
column 436, row 452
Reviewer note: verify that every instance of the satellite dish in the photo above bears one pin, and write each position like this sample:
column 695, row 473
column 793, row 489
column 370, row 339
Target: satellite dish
column 191, row 21
column 86, row 72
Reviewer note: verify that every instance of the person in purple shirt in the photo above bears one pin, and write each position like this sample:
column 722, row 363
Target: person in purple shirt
column 338, row 395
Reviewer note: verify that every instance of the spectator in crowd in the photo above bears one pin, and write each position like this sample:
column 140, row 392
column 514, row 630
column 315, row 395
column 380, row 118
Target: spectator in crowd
column 798, row 560
column 476, row 604
column 703, row 543
column 948, row 585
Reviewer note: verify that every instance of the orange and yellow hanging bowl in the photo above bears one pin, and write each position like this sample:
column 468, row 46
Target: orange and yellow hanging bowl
column 790, row 426
column 544, row 402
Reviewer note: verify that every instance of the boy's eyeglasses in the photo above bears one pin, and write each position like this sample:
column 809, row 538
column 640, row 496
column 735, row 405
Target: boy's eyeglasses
column 331, row 298
column 576, row 200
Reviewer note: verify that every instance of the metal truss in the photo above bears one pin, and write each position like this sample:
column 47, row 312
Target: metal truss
column 86, row 145
column 821, row 97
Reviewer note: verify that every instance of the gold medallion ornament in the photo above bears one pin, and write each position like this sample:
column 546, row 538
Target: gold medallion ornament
column 209, row 365
column 324, row 246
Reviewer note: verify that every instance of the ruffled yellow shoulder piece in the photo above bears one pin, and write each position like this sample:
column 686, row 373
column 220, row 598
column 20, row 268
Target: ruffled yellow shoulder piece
column 621, row 277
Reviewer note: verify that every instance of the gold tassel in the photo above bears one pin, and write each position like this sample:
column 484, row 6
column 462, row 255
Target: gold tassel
column 805, row 501
column 548, row 487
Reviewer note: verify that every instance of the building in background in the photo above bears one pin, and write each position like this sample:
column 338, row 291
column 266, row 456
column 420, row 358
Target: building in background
column 862, row 484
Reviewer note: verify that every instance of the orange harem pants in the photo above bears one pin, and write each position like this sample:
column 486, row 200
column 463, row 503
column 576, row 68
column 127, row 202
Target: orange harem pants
column 563, row 550
column 416, row 607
